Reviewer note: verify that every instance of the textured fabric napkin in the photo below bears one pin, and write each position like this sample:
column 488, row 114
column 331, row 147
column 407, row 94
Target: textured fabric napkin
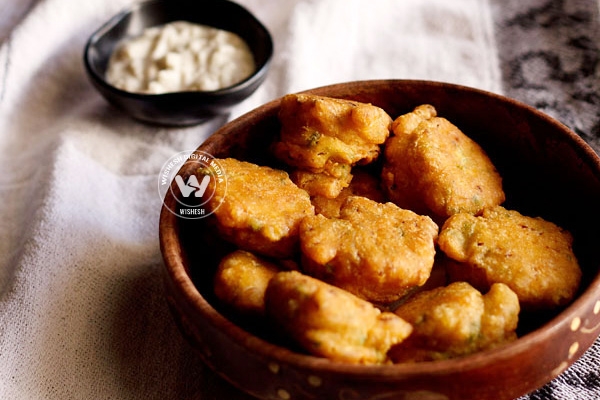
column 82, row 309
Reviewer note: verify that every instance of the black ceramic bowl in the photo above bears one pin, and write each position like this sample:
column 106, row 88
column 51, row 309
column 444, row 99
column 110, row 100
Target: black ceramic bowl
column 180, row 108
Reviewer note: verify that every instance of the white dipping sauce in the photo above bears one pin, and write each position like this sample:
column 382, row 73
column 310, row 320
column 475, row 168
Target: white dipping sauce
column 180, row 56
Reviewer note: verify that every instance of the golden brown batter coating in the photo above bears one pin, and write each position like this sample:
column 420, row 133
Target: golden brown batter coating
column 330, row 322
column 323, row 137
column 324, row 184
column 241, row 281
column 375, row 251
column 532, row 256
column 318, row 131
column 362, row 184
column 456, row 320
column 260, row 209
column 433, row 168
column 408, row 122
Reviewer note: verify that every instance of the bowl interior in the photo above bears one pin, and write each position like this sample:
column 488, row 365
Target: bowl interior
column 182, row 108
column 547, row 171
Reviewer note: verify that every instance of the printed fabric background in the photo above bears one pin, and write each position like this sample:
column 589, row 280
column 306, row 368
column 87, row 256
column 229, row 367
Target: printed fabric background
column 82, row 308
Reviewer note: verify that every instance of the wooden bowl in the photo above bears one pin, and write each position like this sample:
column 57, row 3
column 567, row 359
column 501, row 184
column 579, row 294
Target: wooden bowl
column 548, row 171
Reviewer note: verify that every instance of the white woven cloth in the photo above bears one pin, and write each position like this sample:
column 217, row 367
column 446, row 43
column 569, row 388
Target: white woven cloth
column 82, row 308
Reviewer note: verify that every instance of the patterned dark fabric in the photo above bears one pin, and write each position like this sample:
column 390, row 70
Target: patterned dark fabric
column 550, row 59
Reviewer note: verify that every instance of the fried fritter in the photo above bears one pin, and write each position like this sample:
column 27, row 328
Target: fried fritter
column 362, row 184
column 259, row 209
column 534, row 257
column 408, row 122
column 330, row 322
column 323, row 137
column 375, row 251
column 317, row 131
column 241, row 281
column 432, row 168
column 456, row 320
column 323, row 184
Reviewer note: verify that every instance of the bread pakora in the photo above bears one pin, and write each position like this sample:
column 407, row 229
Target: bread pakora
column 375, row 251
column 244, row 209
column 330, row 322
column 455, row 321
column 433, row 168
column 320, row 133
column 241, row 281
column 534, row 257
